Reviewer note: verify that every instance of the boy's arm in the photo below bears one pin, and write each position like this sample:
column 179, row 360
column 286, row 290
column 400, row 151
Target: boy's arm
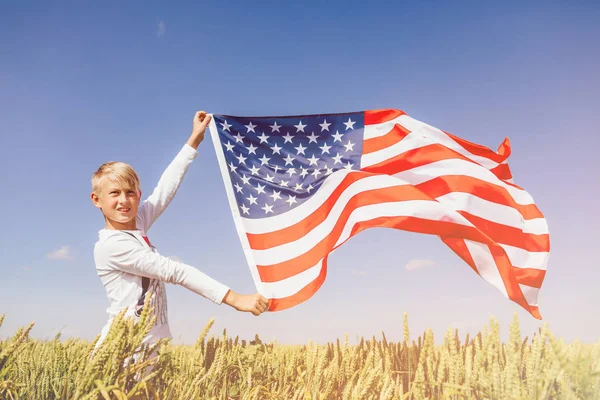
column 125, row 253
column 171, row 179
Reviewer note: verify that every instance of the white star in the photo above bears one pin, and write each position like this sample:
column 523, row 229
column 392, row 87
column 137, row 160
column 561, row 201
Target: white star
column 252, row 200
column 254, row 170
column 267, row 208
column 239, row 138
column 226, row 126
column 325, row 125
column 291, row 200
column 291, row 171
column 252, row 149
column 238, row 188
column 276, row 149
column 329, row 170
column 276, row 167
column 241, row 159
column 264, row 159
column 304, row 172
column 298, row 187
column 300, row 149
column 232, row 167
column 316, row 173
column 312, row 138
column 259, row 188
column 275, row 128
column 275, row 195
column 325, row 148
column 300, row 127
column 349, row 146
column 245, row 209
column 337, row 159
column 309, row 188
column 349, row 165
column 349, row 124
column 288, row 138
column 289, row 159
column 263, row 138
column 337, row 137
column 250, row 127
column 313, row 160
column 284, row 183
column 229, row 146
column 246, row 180
column 269, row 178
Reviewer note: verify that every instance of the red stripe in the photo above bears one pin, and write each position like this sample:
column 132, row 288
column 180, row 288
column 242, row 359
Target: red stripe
column 509, row 235
column 483, row 151
column 395, row 135
column 301, row 296
column 419, row 157
column 502, row 171
column 529, row 276
column 291, row 267
column 496, row 194
column 373, row 117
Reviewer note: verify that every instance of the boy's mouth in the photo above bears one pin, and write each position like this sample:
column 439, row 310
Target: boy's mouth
column 123, row 209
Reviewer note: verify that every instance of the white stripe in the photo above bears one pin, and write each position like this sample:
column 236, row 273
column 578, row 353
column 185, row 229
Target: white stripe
column 486, row 265
column 531, row 294
column 381, row 129
column 292, row 285
column 424, row 209
column 526, row 259
column 421, row 134
column 493, row 212
column 410, row 142
column 413, row 176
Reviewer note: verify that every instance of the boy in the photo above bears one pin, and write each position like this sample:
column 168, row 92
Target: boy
column 126, row 261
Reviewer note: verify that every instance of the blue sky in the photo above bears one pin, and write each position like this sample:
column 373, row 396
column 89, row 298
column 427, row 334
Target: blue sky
column 83, row 83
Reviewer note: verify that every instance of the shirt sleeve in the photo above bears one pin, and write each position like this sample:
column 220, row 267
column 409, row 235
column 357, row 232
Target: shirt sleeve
column 165, row 190
column 125, row 253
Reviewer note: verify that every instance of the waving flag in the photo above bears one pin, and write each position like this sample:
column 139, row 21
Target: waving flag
column 300, row 186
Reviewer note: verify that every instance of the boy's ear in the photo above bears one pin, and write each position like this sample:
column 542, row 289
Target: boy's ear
column 95, row 199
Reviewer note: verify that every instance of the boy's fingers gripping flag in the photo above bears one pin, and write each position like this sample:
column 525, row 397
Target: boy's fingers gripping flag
column 300, row 186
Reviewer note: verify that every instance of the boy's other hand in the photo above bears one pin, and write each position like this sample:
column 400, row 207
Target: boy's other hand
column 254, row 303
column 199, row 124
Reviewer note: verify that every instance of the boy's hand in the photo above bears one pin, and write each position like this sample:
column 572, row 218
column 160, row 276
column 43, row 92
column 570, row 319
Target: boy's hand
column 199, row 125
column 254, row 303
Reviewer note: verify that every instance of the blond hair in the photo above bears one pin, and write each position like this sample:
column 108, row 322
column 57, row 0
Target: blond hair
column 116, row 172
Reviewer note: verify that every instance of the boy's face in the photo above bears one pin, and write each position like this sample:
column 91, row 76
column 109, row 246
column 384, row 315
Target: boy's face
column 118, row 204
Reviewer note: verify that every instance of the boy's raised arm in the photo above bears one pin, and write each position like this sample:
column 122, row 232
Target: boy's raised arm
column 171, row 179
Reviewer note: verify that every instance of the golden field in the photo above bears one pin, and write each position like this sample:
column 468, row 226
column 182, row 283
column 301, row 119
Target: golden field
column 220, row 367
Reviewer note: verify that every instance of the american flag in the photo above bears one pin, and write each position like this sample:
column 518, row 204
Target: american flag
column 300, row 186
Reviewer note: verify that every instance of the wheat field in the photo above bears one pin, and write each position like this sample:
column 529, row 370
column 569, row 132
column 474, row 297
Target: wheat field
column 220, row 367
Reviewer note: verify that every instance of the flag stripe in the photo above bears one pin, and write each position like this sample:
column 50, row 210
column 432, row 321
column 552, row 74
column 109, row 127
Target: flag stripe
column 302, row 295
column 394, row 136
column 483, row 151
column 421, row 134
column 290, row 286
column 373, row 117
column 436, row 163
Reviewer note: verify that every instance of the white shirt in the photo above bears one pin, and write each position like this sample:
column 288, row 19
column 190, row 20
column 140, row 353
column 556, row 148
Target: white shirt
column 123, row 258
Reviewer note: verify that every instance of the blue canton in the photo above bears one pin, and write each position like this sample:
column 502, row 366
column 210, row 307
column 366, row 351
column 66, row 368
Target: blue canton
column 277, row 163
